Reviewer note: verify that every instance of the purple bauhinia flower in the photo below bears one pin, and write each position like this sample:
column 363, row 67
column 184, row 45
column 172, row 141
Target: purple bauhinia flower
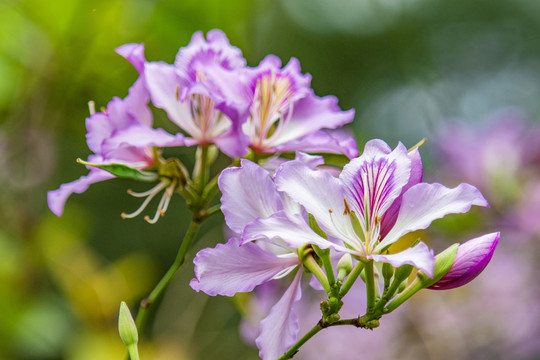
column 378, row 198
column 122, row 134
column 194, row 100
column 249, row 193
column 283, row 113
column 471, row 259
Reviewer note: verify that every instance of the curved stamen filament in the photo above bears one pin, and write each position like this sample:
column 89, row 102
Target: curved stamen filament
column 150, row 195
column 163, row 203
column 283, row 273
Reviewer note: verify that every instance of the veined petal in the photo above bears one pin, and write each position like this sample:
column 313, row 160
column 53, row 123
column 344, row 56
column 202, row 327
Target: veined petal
column 313, row 113
column 98, row 129
column 322, row 141
column 471, row 259
column 166, row 92
column 423, row 203
column 312, row 161
column 136, row 103
column 419, row 256
column 56, row 199
column 292, row 229
column 248, row 193
column 230, row 268
column 321, row 195
column 142, row 136
column 216, row 48
column 389, row 218
column 280, row 328
column 377, row 177
column 134, row 53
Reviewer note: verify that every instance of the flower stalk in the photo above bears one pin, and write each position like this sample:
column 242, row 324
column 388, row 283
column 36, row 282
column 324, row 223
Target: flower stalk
column 147, row 303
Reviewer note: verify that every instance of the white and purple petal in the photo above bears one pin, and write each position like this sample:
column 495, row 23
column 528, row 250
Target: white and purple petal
column 291, row 229
column 320, row 194
column 248, row 193
column 134, row 53
column 423, row 203
column 231, row 268
column 389, row 218
column 322, row 141
column 376, row 176
column 56, row 199
column 166, row 90
column 280, row 328
column 420, row 256
column 200, row 52
column 310, row 114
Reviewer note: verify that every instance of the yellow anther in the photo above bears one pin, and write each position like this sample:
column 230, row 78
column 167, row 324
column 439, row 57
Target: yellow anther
column 347, row 210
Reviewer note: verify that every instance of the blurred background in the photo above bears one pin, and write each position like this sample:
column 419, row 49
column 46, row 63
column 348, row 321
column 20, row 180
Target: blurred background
column 463, row 74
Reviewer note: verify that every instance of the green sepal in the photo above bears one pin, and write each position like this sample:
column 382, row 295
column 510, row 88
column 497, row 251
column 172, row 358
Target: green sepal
column 443, row 263
column 123, row 171
column 174, row 169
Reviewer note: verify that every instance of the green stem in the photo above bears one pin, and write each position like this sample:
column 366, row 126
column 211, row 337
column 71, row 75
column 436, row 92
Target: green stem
column 327, row 263
column 211, row 189
column 409, row 291
column 388, row 294
column 147, row 303
column 365, row 322
column 370, row 287
column 310, row 264
column 133, row 352
column 293, row 349
column 200, row 170
column 351, row 279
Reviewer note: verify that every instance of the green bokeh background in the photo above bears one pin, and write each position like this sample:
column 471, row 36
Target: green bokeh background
column 405, row 66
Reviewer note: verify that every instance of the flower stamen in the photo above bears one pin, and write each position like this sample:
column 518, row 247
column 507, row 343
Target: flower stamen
column 163, row 204
column 150, row 194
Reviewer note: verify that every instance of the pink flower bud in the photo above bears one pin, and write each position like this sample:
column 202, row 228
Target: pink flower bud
column 471, row 259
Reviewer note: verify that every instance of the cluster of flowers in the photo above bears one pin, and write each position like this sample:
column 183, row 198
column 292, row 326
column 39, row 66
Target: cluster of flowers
column 214, row 98
column 296, row 217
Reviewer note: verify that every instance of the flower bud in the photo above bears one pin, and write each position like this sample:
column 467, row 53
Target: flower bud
column 471, row 259
column 344, row 266
column 126, row 326
column 387, row 273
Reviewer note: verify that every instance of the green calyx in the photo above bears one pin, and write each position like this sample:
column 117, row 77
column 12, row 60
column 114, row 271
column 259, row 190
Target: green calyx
column 443, row 262
column 174, row 170
column 124, row 171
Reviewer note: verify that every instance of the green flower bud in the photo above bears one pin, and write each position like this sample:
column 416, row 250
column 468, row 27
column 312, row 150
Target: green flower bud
column 387, row 273
column 344, row 266
column 126, row 326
